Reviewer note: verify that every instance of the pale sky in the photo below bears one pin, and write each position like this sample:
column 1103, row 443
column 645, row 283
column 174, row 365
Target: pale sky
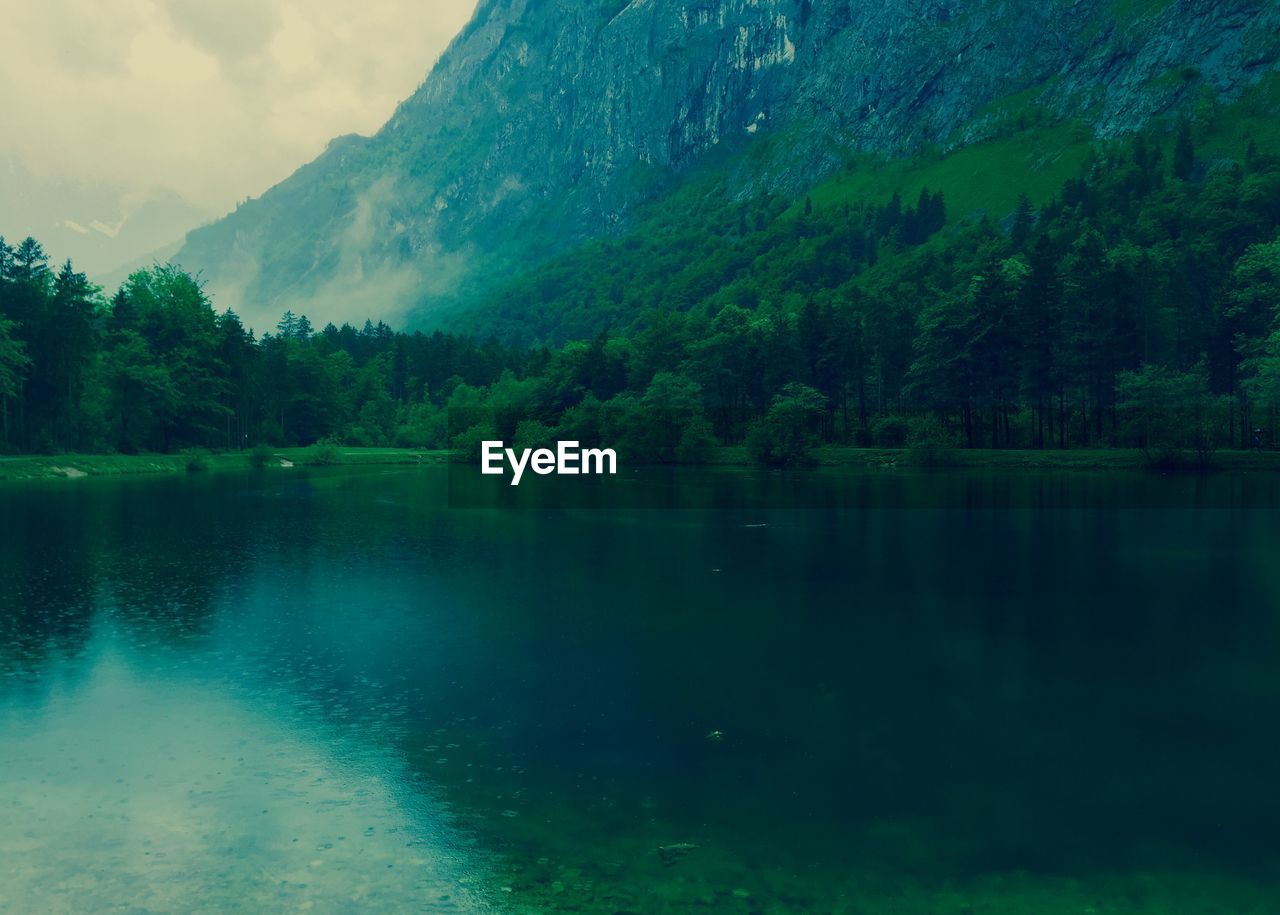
column 213, row 99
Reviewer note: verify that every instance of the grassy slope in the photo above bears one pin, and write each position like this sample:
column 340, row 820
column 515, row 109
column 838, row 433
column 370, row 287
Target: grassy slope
column 1037, row 159
column 689, row 235
column 984, row 178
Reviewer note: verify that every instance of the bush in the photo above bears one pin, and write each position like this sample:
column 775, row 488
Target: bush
column 931, row 446
column 932, row 455
column 197, row 460
column 467, row 444
column 891, row 431
column 360, row 437
column 696, row 442
column 1172, row 412
column 422, row 426
column 322, row 454
column 262, row 456
column 533, row 434
column 1164, row 458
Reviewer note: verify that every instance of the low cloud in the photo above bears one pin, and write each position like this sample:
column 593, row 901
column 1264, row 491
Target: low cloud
column 216, row 101
column 373, row 271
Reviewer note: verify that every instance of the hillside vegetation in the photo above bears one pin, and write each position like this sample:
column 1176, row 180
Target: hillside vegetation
column 549, row 124
column 1116, row 293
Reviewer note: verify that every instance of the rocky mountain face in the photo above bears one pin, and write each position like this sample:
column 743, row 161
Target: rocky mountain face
column 547, row 121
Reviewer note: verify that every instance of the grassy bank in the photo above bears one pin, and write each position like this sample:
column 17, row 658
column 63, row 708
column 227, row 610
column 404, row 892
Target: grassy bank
column 1011, row 459
column 76, row 466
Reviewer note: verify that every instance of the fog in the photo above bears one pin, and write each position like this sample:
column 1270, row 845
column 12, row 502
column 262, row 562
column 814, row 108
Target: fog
column 132, row 121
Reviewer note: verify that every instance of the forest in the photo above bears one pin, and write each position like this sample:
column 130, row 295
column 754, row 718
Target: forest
column 1136, row 308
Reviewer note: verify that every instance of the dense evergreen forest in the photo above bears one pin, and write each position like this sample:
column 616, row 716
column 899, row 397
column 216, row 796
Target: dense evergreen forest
column 1136, row 308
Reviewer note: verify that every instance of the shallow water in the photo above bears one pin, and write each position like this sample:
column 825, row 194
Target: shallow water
column 328, row 690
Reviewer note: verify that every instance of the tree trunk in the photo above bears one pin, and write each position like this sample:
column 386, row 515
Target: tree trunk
column 1062, row 417
column 862, row 402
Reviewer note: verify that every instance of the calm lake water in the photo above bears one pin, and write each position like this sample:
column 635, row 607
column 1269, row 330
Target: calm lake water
column 328, row 690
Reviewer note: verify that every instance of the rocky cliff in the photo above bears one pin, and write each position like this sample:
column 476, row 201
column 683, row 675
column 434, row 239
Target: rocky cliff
column 547, row 121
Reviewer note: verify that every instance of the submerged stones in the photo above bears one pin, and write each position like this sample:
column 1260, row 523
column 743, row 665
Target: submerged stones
column 670, row 854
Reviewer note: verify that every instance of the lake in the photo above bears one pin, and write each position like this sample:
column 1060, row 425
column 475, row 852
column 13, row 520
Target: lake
column 838, row 691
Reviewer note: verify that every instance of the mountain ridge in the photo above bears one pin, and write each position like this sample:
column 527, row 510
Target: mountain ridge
column 546, row 122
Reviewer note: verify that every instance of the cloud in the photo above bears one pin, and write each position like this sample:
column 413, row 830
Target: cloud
column 229, row 29
column 217, row 101
column 365, row 278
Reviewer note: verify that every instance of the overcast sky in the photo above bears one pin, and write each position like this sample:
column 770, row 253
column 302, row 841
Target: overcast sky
column 214, row 99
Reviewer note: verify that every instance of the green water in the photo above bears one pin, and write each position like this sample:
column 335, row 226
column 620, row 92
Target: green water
column 329, row 691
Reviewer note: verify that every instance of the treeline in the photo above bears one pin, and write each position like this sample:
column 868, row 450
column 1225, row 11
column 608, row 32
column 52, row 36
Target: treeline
column 155, row 368
column 1137, row 308
column 700, row 252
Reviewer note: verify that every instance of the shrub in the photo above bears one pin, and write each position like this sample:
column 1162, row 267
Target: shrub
column 467, row 444
column 533, row 434
column 1165, row 458
column 932, row 455
column 322, row 454
column 931, row 446
column 696, row 442
column 1171, row 412
column 422, row 426
column 197, row 460
column 262, row 456
column 890, row 431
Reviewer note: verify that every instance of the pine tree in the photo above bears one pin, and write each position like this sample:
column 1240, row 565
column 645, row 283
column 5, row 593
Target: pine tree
column 30, row 263
column 937, row 213
column 13, row 368
column 1184, row 153
column 1024, row 220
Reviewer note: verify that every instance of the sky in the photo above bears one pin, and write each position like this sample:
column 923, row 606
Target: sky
column 195, row 103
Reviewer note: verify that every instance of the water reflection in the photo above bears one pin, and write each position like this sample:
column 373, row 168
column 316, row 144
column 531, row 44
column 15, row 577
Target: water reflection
column 167, row 793
column 941, row 681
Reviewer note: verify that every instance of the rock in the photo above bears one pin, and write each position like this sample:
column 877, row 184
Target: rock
column 571, row 113
column 670, row 854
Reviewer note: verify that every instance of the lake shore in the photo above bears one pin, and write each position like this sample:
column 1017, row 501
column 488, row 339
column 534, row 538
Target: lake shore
column 77, row 466
column 1048, row 459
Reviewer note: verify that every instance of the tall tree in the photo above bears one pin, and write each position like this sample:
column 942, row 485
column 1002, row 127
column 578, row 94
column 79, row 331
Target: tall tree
column 1184, row 152
column 13, row 367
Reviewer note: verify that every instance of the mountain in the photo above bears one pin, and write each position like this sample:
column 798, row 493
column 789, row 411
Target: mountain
column 550, row 122
column 98, row 226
